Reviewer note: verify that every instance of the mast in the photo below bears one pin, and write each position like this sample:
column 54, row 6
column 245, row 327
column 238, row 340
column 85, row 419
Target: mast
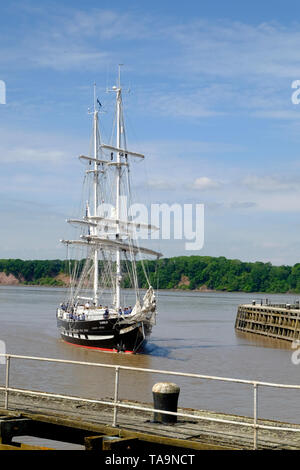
column 118, row 190
column 114, row 232
column 95, row 187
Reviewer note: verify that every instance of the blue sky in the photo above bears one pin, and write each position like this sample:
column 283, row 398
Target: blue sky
column 210, row 106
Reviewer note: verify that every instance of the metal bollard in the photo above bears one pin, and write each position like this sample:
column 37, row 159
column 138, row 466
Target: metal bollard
column 165, row 397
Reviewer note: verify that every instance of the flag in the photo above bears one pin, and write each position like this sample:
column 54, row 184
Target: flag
column 99, row 103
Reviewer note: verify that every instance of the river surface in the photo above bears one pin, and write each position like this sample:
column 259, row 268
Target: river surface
column 194, row 333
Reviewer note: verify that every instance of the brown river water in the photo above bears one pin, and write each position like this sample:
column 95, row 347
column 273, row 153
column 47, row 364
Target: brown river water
column 194, row 333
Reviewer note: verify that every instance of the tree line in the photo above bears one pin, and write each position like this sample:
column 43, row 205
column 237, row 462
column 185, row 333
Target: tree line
column 183, row 272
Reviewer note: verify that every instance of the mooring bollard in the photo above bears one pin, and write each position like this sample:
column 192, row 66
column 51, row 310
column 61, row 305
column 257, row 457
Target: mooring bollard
column 165, row 397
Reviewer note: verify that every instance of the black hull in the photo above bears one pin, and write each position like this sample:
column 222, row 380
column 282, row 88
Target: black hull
column 104, row 335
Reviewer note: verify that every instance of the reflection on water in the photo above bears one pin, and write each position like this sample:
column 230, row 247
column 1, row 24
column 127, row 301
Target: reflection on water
column 263, row 341
column 155, row 350
column 194, row 333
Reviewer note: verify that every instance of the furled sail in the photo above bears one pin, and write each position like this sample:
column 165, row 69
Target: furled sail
column 93, row 240
column 149, row 301
column 146, row 311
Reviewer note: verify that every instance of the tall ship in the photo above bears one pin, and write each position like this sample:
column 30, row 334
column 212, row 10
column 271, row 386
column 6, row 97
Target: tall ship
column 98, row 311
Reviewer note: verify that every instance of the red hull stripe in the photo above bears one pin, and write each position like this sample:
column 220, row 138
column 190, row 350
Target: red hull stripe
column 99, row 349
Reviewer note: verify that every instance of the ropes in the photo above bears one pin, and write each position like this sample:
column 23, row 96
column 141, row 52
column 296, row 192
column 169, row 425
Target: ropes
column 104, row 202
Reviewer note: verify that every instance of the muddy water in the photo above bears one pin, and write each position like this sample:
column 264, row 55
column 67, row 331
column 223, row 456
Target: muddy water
column 194, row 333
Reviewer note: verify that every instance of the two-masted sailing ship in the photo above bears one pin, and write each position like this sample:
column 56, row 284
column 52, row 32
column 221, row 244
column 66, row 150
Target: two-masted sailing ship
column 97, row 313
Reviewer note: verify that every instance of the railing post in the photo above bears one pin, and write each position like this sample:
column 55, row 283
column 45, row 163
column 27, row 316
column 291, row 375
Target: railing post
column 7, row 381
column 116, row 397
column 255, row 390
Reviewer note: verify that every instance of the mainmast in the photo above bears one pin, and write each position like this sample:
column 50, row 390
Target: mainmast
column 118, row 211
column 121, row 151
column 95, row 206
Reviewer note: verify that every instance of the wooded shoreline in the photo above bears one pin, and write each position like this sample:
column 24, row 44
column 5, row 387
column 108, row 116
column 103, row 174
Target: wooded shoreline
column 199, row 273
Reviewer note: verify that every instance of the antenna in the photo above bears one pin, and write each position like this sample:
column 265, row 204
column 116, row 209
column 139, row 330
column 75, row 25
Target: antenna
column 119, row 81
column 95, row 97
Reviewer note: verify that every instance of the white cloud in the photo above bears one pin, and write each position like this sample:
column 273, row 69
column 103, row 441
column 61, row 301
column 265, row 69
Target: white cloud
column 161, row 184
column 204, row 183
column 268, row 183
column 188, row 68
column 32, row 155
column 278, row 114
column 69, row 58
column 206, row 68
column 66, row 38
column 21, row 146
column 284, row 202
column 43, row 167
column 197, row 103
column 108, row 24
column 230, row 48
column 242, row 205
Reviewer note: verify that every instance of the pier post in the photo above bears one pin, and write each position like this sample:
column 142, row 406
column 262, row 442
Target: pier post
column 255, row 386
column 117, row 370
column 7, row 381
column 165, row 398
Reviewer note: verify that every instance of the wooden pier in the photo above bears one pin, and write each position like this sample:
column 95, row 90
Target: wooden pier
column 111, row 424
column 279, row 321
column 90, row 426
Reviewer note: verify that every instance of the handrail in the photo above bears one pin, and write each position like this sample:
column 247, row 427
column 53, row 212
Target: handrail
column 116, row 404
column 158, row 371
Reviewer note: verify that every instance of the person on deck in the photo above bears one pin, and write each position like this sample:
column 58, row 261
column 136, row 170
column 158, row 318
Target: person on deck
column 106, row 313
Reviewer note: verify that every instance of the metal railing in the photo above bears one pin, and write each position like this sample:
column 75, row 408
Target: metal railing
column 116, row 404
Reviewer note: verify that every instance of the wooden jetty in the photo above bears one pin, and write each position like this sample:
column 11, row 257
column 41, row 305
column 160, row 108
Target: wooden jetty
column 121, row 425
column 279, row 321
column 90, row 426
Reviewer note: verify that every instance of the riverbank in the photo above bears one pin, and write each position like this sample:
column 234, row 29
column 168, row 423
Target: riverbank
column 63, row 281
column 193, row 273
column 252, row 295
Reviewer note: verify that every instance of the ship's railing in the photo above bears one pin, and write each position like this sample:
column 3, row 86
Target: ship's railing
column 116, row 404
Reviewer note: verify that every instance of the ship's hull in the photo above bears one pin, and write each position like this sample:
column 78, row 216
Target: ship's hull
column 106, row 335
